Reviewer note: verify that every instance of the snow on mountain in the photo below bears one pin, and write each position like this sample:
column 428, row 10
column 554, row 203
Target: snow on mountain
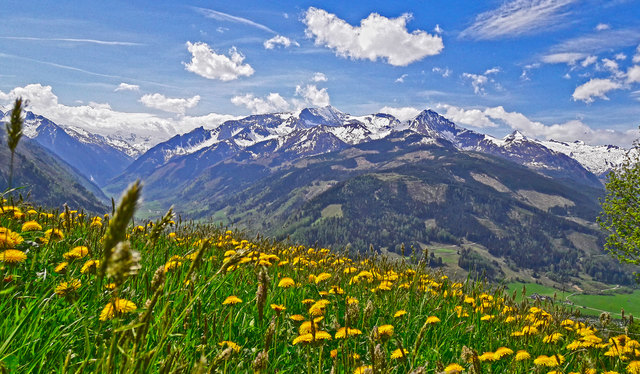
column 598, row 159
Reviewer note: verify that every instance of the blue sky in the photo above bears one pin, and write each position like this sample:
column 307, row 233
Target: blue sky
column 561, row 69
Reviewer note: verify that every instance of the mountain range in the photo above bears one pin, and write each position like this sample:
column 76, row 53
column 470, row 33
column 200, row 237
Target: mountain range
column 320, row 175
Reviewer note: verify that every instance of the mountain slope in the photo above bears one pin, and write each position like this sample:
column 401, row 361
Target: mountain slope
column 47, row 179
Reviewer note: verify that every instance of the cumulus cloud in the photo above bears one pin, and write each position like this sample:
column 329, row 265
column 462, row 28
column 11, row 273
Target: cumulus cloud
column 402, row 113
column 478, row 81
column 272, row 103
column 310, row 95
column 377, row 37
column 567, row 131
column 633, row 74
column 144, row 129
column 636, row 56
column 319, row 77
column 470, row 117
column 595, row 87
column 590, row 60
column 167, row 104
column 313, row 95
column 206, row 63
column 127, row 87
column 280, row 40
column 602, row 26
column 620, row 56
column 517, row 17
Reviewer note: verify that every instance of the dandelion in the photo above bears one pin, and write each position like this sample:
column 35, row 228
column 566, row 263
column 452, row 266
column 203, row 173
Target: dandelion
column 502, row 352
column 12, row 256
column 53, row 234
column 109, row 286
column 231, row 345
column 633, row 367
column 61, row 268
column 67, row 288
column 367, row 369
column 522, row 355
column 399, row 353
column 76, row 253
column 171, row 265
column 296, row 317
column 278, row 308
column 453, row 369
column 9, row 239
column 552, row 338
column 232, row 300
column 432, row 320
column 116, row 307
column 487, row 356
column 322, row 277
column 344, row 332
column 552, row 361
column 91, row 266
column 385, row 331
column 305, row 338
column 31, row 226
column 400, row 313
column 286, row 283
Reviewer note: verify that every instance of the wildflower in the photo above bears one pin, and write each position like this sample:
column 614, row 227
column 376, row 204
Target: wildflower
column 522, row 355
column 12, row 256
column 453, row 369
column 232, row 300
column 552, row 361
column 487, row 356
column 633, row 367
column 53, row 234
column 305, row 338
column 67, row 288
column 344, row 332
column 116, row 307
column 400, row 313
column 171, row 265
column 278, row 308
column 502, row 352
column 385, row 331
column 308, row 301
column 352, row 300
column 553, row 338
column 399, row 353
column 31, row 226
column 322, row 277
column 230, row 344
column 296, row 317
column 367, row 369
column 109, row 286
column 62, row 267
column 432, row 320
column 91, row 266
column 286, row 282
column 76, row 253
column 8, row 238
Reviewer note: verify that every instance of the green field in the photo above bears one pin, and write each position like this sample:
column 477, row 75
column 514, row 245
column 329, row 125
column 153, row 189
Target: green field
column 586, row 303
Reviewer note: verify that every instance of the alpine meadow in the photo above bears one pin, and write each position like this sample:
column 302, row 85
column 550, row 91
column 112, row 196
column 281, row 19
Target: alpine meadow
column 331, row 187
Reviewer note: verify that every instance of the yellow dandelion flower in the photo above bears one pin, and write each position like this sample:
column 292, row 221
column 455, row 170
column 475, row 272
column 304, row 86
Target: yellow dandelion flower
column 323, row 335
column 352, row 300
column 232, row 300
column 522, row 355
column 367, row 369
column 453, row 369
column 296, row 317
column 286, row 282
column 322, row 277
column 110, row 286
column 400, row 313
column 9, row 239
column 344, row 332
column 305, row 338
column 278, row 308
column 76, row 253
column 171, row 265
column 67, row 288
column 308, row 301
column 62, row 267
column 633, row 367
column 552, row 338
column 12, row 256
column 432, row 320
column 334, row 353
column 549, row 361
column 31, row 226
column 487, row 356
column 117, row 307
column 503, row 352
column 91, row 266
column 385, row 330
column 230, row 344
column 399, row 353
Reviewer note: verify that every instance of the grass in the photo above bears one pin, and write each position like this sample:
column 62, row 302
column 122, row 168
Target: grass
column 164, row 305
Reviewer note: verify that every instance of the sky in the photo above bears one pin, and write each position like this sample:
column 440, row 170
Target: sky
column 551, row 69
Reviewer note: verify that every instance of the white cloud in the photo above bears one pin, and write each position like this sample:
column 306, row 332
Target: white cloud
column 633, row 74
column 567, row 131
column 167, row 104
column 438, row 29
column 595, row 87
column 206, row 63
column 602, row 26
column 569, row 58
column 517, row 17
column 612, row 67
column 401, row 78
column 598, row 42
column 494, row 70
column 376, row 37
column 319, row 77
column 72, row 40
column 445, row 72
column 220, row 16
column 636, row 57
column 470, row 117
column 313, row 95
column 589, row 61
column 620, row 56
column 272, row 103
column 127, row 87
column 147, row 129
column 478, row 81
column 402, row 113
column 280, row 40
